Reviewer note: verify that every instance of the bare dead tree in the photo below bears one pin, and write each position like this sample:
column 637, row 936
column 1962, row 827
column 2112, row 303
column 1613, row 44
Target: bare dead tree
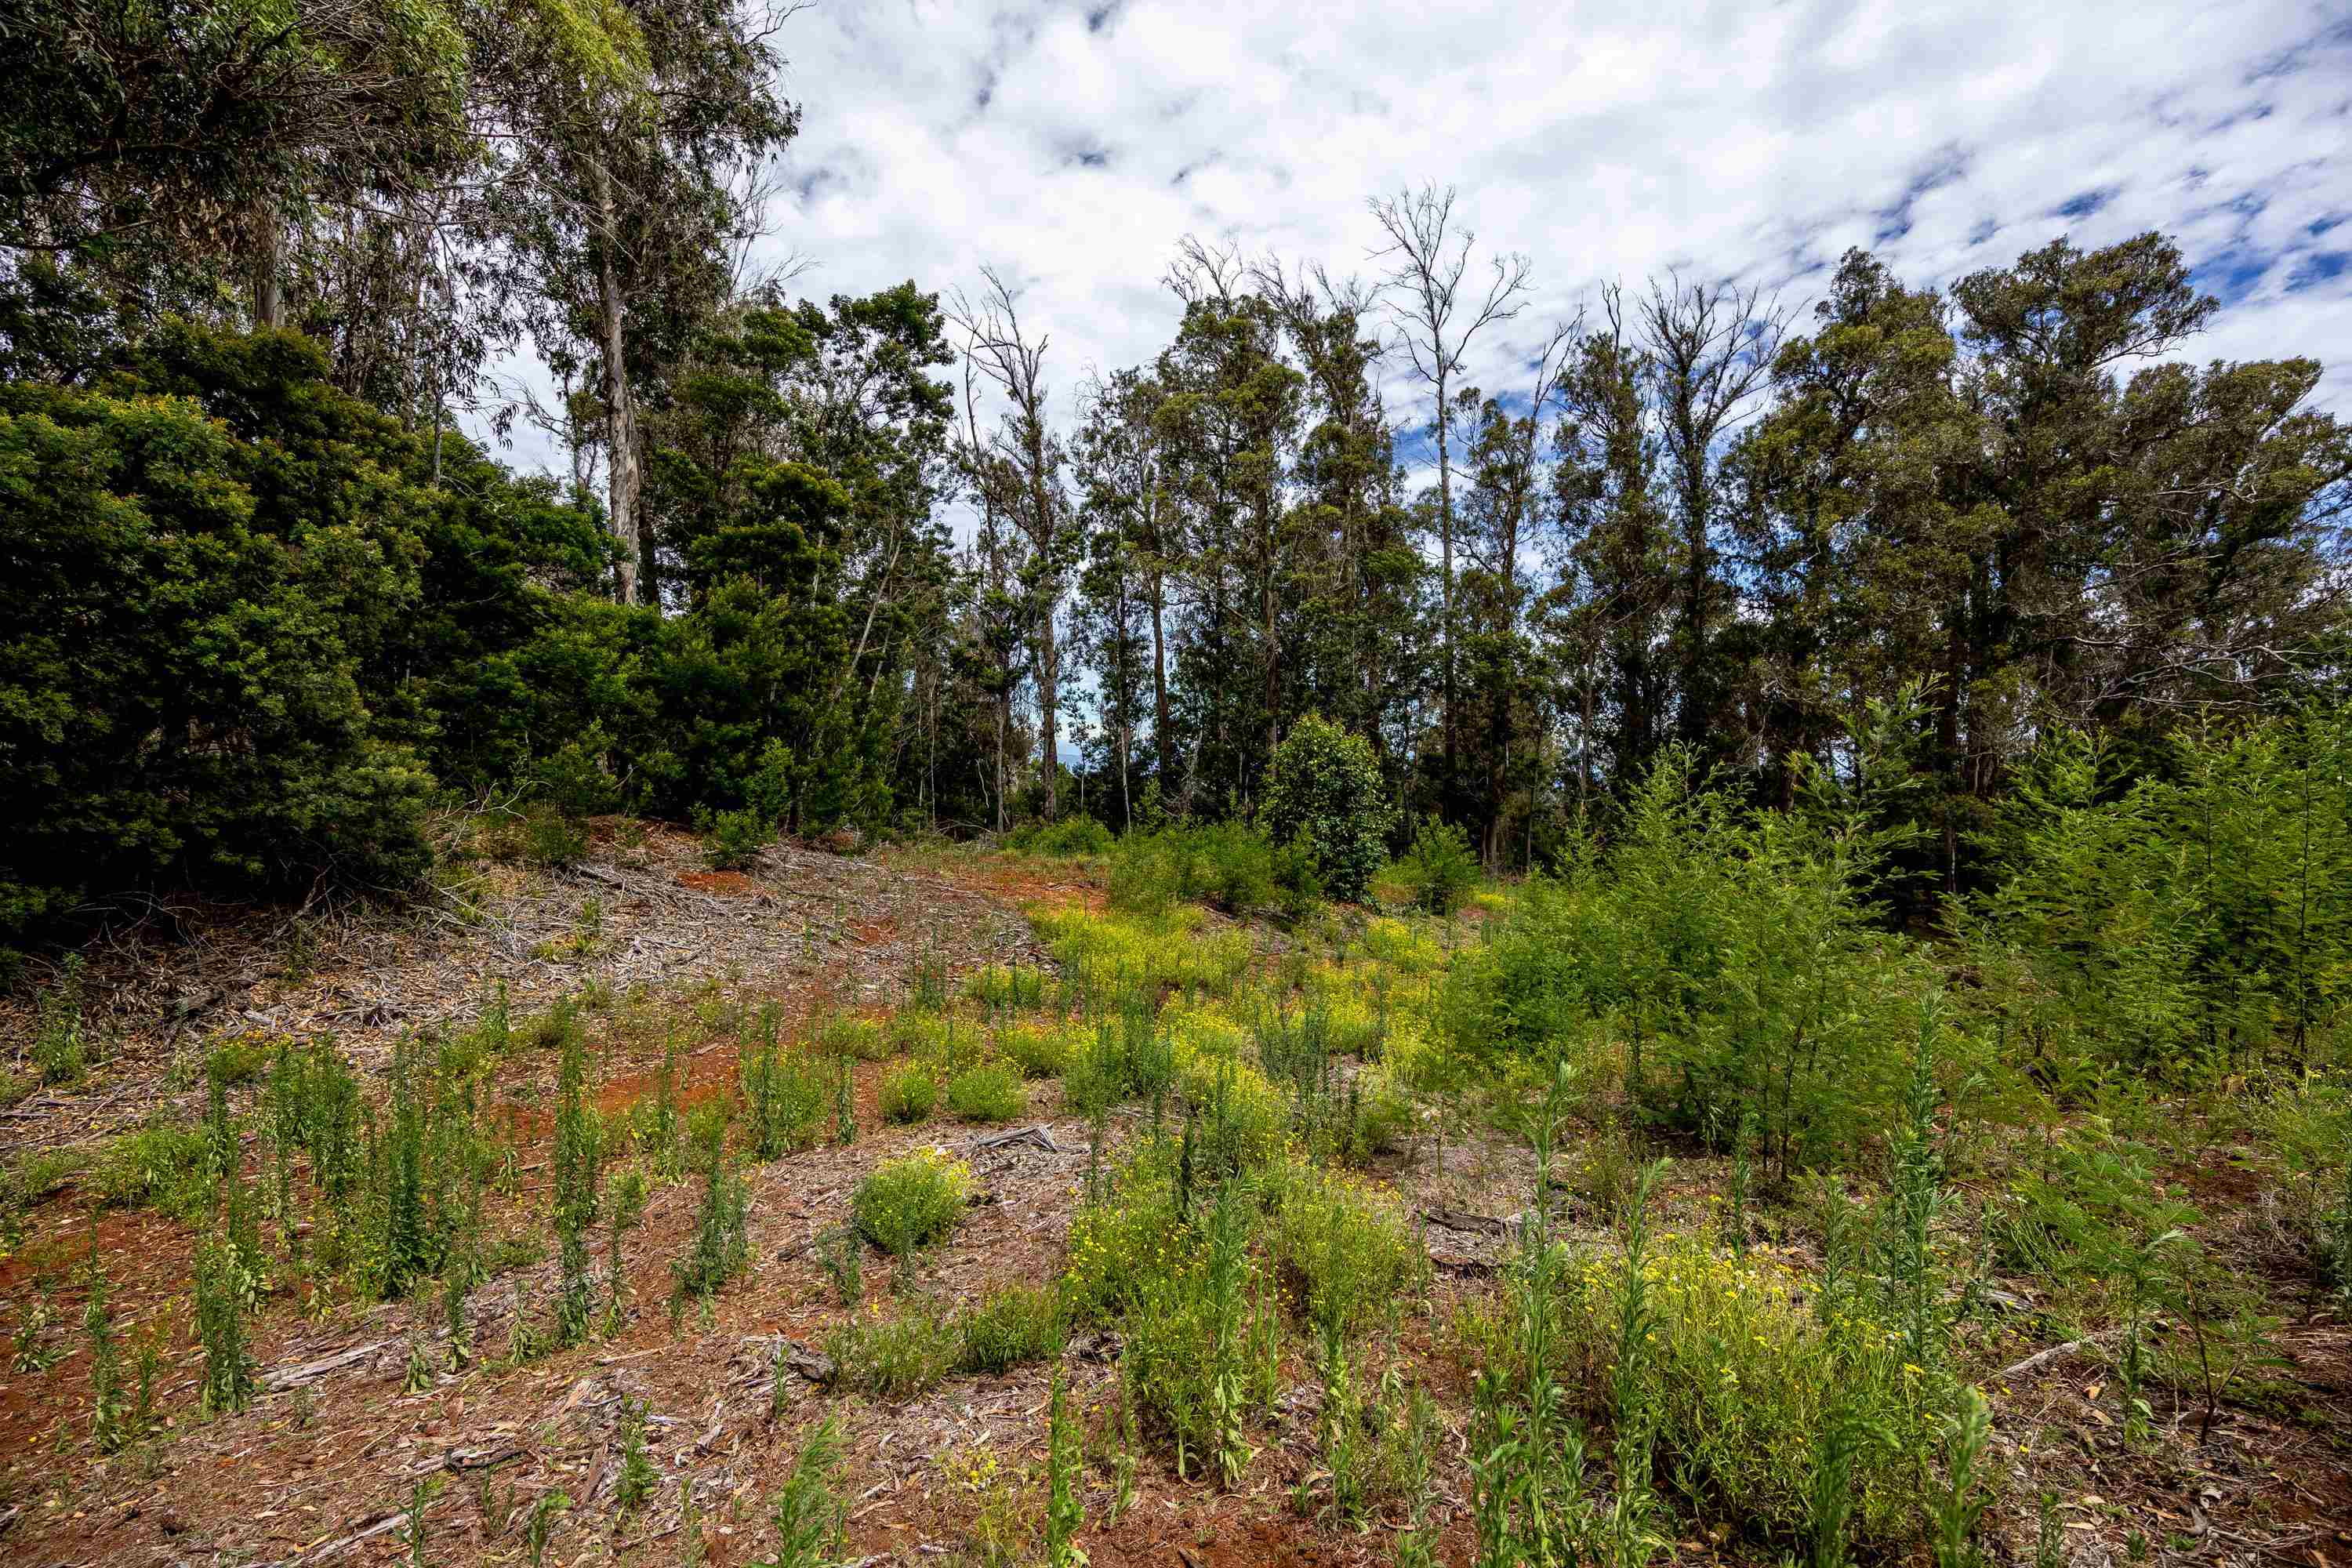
column 996, row 342
column 1710, row 348
column 1437, row 319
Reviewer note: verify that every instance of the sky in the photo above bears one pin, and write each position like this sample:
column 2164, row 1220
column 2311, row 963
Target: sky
column 1071, row 146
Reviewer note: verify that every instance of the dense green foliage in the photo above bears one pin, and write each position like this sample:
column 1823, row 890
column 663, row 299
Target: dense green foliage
column 263, row 606
column 1326, row 793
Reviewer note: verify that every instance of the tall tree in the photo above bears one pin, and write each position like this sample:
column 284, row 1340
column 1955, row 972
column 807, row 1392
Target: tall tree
column 620, row 144
column 1026, row 458
column 1438, row 319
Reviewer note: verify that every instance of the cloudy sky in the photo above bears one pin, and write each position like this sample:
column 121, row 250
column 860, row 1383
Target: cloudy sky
column 1072, row 145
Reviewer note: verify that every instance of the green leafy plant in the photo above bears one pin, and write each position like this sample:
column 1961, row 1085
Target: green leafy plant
column 989, row 1093
column 1018, row 1324
column 808, row 1512
column 220, row 1306
column 733, row 840
column 638, row 1477
column 897, row 1355
column 913, row 1201
column 784, row 1095
column 721, row 1247
column 909, row 1093
column 1065, row 1512
column 579, row 1151
column 1323, row 790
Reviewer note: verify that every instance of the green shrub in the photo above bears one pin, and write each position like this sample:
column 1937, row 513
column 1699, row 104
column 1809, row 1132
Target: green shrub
column 168, row 1169
column 909, row 1093
column 1746, row 1383
column 239, row 1059
column 862, row 1038
column 989, row 1093
column 912, row 1202
column 553, row 839
column 1131, row 1057
column 1071, row 836
column 61, row 1036
column 894, row 1357
column 733, row 840
column 1021, row 1323
column 1441, row 869
column 1343, row 1247
column 1323, row 791
column 786, row 1095
column 1039, row 1049
column 573, row 778
column 721, row 1247
column 1227, row 864
column 207, row 565
column 1006, row 987
column 809, row 1512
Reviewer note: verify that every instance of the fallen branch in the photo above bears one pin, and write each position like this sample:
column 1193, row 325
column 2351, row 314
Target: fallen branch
column 2041, row 1359
column 1038, row 1137
column 286, row 1377
column 1470, row 1224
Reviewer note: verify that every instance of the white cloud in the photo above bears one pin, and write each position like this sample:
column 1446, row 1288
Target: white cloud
column 1073, row 145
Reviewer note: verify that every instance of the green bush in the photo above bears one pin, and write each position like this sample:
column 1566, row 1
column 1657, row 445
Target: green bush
column 912, row 1202
column 989, row 1093
column 1323, row 791
column 165, row 1168
column 1343, row 1246
column 894, row 1357
column 1440, row 867
column 1018, row 1324
column 731, row 841
column 1227, row 864
column 1070, row 837
column 548, row 837
column 1038, row 1048
column 573, row 778
column 191, row 620
column 1004, row 986
column 909, row 1093
column 1730, row 964
column 787, row 1096
column 862, row 1038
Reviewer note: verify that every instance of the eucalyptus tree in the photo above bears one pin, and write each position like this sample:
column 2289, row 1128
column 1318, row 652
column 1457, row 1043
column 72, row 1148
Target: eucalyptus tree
column 1439, row 312
column 1019, row 464
column 145, row 134
column 618, row 135
column 1231, row 420
column 1357, row 644
column 1709, row 348
column 1503, row 510
column 1128, row 518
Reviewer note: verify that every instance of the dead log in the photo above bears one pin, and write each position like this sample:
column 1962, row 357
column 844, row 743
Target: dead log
column 1038, row 1137
column 1470, row 1224
column 2041, row 1359
column 286, row 1377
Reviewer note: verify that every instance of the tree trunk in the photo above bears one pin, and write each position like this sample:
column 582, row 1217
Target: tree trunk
column 1445, row 584
column 269, row 284
column 1162, row 739
column 624, row 478
column 1048, row 729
